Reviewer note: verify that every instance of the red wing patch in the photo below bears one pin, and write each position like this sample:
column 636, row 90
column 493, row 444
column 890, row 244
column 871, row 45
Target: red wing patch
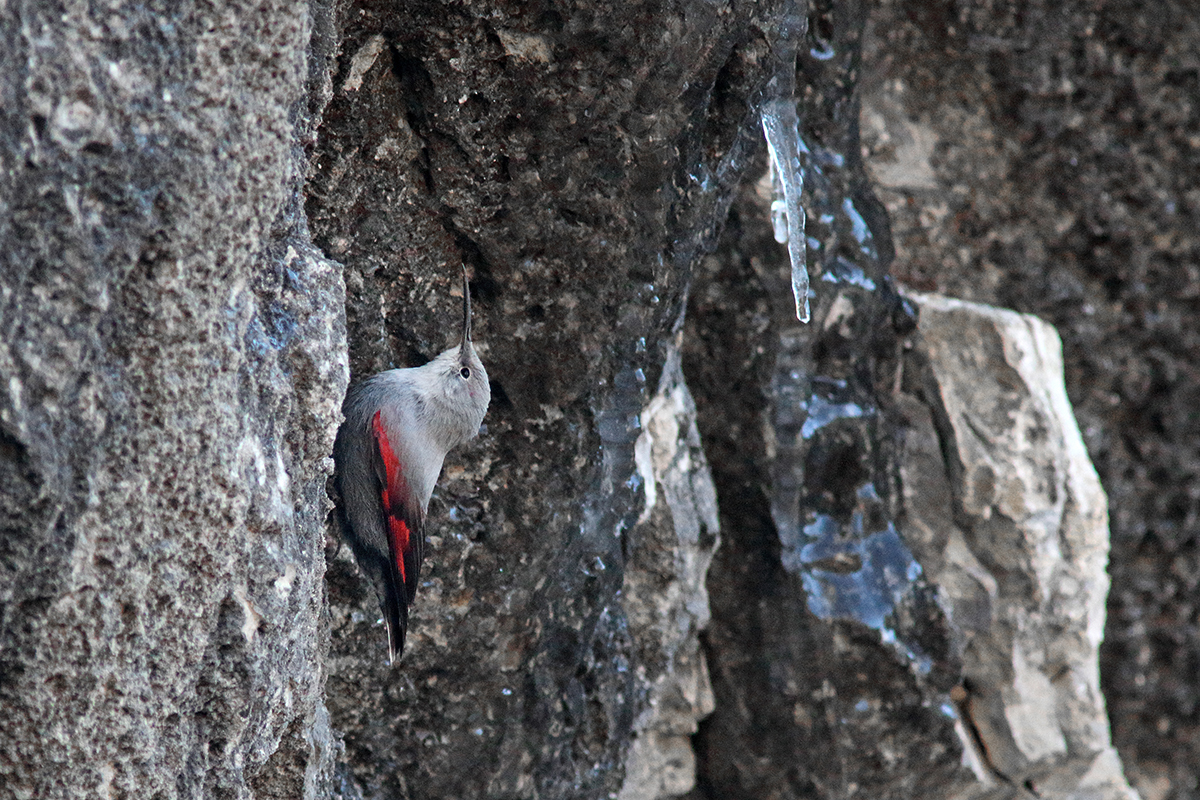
column 402, row 520
column 402, row 517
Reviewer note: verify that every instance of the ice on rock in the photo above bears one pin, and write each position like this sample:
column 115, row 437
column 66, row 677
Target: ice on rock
column 780, row 126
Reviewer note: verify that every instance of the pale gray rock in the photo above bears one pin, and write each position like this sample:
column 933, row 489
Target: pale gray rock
column 172, row 361
column 665, row 591
column 1007, row 516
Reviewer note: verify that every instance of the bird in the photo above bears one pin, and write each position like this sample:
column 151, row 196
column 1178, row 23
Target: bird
column 398, row 427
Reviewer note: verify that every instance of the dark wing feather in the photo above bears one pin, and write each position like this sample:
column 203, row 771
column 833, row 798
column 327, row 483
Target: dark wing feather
column 404, row 524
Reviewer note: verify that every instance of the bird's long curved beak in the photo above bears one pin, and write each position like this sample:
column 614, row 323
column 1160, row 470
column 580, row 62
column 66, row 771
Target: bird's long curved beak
column 466, row 328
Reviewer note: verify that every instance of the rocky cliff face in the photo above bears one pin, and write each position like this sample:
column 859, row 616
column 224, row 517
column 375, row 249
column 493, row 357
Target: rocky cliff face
column 173, row 356
column 699, row 550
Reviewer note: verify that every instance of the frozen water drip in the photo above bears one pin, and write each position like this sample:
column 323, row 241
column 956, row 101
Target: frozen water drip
column 780, row 126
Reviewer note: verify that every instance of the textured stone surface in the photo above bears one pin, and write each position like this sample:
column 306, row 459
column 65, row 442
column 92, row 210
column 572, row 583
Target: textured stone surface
column 828, row 654
column 174, row 350
column 1004, row 514
column 1061, row 140
column 835, row 668
column 577, row 160
column 1008, row 519
column 665, row 591
column 172, row 353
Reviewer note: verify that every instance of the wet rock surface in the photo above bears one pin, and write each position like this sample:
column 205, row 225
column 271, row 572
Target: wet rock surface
column 828, row 650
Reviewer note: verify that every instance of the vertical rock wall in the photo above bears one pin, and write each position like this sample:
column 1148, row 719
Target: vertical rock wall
column 577, row 160
column 172, row 361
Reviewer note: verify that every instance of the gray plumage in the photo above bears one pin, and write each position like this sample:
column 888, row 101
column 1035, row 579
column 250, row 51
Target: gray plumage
column 419, row 414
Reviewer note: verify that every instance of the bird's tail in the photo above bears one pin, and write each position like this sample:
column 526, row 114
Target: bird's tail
column 395, row 611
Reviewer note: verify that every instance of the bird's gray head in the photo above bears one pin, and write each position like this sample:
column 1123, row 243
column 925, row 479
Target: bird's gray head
column 457, row 385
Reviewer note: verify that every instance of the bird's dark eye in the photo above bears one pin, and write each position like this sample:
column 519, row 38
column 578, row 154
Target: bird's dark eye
column 465, row 372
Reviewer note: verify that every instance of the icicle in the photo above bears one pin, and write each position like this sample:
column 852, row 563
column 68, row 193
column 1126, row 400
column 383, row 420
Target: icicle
column 787, row 181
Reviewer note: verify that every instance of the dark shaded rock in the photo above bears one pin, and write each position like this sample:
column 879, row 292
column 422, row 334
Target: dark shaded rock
column 578, row 161
column 828, row 651
column 827, row 664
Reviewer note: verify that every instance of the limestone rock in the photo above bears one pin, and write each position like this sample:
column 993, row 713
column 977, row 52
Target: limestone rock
column 1007, row 516
column 665, row 592
column 172, row 358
